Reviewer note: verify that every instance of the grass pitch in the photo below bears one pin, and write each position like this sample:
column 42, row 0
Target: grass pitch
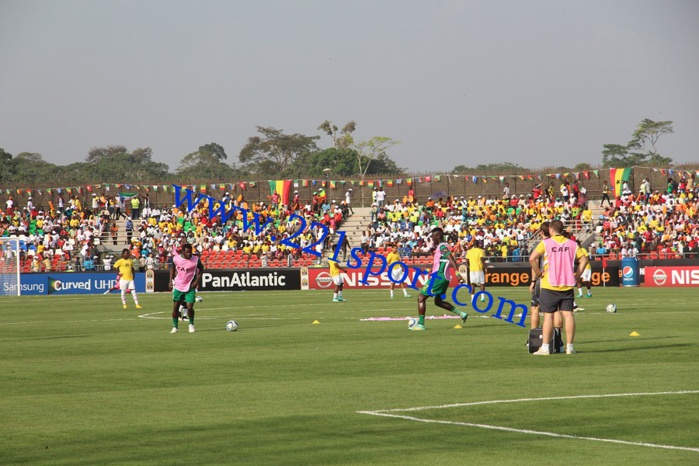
column 83, row 382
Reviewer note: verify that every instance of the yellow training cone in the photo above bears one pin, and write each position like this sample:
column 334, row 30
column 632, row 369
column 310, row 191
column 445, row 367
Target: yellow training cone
column 458, row 326
column 634, row 334
column 316, row 321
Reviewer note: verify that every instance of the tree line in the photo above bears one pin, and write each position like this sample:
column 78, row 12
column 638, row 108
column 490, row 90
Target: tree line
column 272, row 153
column 269, row 154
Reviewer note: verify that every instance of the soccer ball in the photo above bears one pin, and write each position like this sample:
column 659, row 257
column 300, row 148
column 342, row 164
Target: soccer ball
column 232, row 326
column 611, row 308
column 199, row 299
column 412, row 322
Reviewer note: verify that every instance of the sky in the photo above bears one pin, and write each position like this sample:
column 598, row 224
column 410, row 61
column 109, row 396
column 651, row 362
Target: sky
column 538, row 83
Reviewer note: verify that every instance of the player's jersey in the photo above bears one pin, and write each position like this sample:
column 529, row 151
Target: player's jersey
column 441, row 265
column 586, row 254
column 474, row 256
column 186, row 271
column 334, row 268
column 392, row 257
column 125, row 268
column 562, row 252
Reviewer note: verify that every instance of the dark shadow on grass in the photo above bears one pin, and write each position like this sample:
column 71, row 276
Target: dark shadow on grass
column 626, row 339
column 53, row 337
column 636, row 348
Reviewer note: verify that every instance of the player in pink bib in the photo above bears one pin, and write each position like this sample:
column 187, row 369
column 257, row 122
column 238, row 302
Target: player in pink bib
column 185, row 276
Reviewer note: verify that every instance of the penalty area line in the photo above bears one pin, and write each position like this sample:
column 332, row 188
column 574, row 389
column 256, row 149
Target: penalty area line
column 388, row 413
column 548, row 398
column 531, row 432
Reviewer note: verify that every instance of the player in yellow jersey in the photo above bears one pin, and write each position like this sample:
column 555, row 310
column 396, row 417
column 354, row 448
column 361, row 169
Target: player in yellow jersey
column 397, row 272
column 125, row 267
column 586, row 277
column 335, row 274
column 475, row 256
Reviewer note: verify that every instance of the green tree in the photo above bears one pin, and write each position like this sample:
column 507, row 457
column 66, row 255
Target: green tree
column 616, row 155
column 342, row 138
column 383, row 165
column 29, row 167
column 461, row 169
column 504, row 168
column 5, row 166
column 645, row 140
column 97, row 154
column 642, row 148
column 273, row 153
column 114, row 163
column 341, row 162
column 206, row 164
column 370, row 151
column 215, row 150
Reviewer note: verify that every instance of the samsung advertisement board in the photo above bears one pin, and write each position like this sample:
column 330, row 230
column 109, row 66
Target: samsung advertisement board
column 71, row 283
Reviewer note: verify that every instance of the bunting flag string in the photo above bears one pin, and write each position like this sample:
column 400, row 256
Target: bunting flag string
column 334, row 184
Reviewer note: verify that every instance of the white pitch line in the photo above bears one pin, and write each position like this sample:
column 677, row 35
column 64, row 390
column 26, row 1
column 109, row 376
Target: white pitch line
column 534, row 432
column 524, row 400
column 385, row 413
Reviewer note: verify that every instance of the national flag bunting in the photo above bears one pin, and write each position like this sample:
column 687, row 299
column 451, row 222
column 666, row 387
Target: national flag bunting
column 617, row 176
column 281, row 187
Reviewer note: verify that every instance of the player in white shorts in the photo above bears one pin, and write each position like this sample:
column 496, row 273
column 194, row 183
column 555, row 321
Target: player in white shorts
column 335, row 273
column 398, row 272
column 585, row 277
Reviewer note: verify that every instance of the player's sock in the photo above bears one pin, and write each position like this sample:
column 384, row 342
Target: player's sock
column 391, row 293
column 545, row 348
column 174, row 322
column 334, row 295
column 123, row 298
column 339, row 295
column 421, row 320
column 405, row 292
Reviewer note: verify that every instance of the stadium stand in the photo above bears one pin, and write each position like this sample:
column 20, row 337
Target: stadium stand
column 658, row 225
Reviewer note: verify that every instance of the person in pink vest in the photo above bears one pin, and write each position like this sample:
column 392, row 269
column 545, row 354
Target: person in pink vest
column 558, row 278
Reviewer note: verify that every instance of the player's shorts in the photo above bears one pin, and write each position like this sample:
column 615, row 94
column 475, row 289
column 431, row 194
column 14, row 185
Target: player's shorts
column 126, row 285
column 186, row 296
column 337, row 280
column 586, row 275
column 397, row 274
column 536, row 293
column 439, row 287
column 552, row 301
column 477, row 278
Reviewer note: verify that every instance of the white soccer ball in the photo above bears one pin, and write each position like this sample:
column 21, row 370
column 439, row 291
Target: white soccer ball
column 232, row 326
column 199, row 299
column 611, row 308
column 412, row 322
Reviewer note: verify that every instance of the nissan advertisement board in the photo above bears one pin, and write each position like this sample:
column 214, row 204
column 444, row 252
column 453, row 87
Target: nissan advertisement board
column 671, row 276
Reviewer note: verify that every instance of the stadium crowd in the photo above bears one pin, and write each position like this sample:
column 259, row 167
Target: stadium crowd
column 502, row 226
column 65, row 235
column 651, row 224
